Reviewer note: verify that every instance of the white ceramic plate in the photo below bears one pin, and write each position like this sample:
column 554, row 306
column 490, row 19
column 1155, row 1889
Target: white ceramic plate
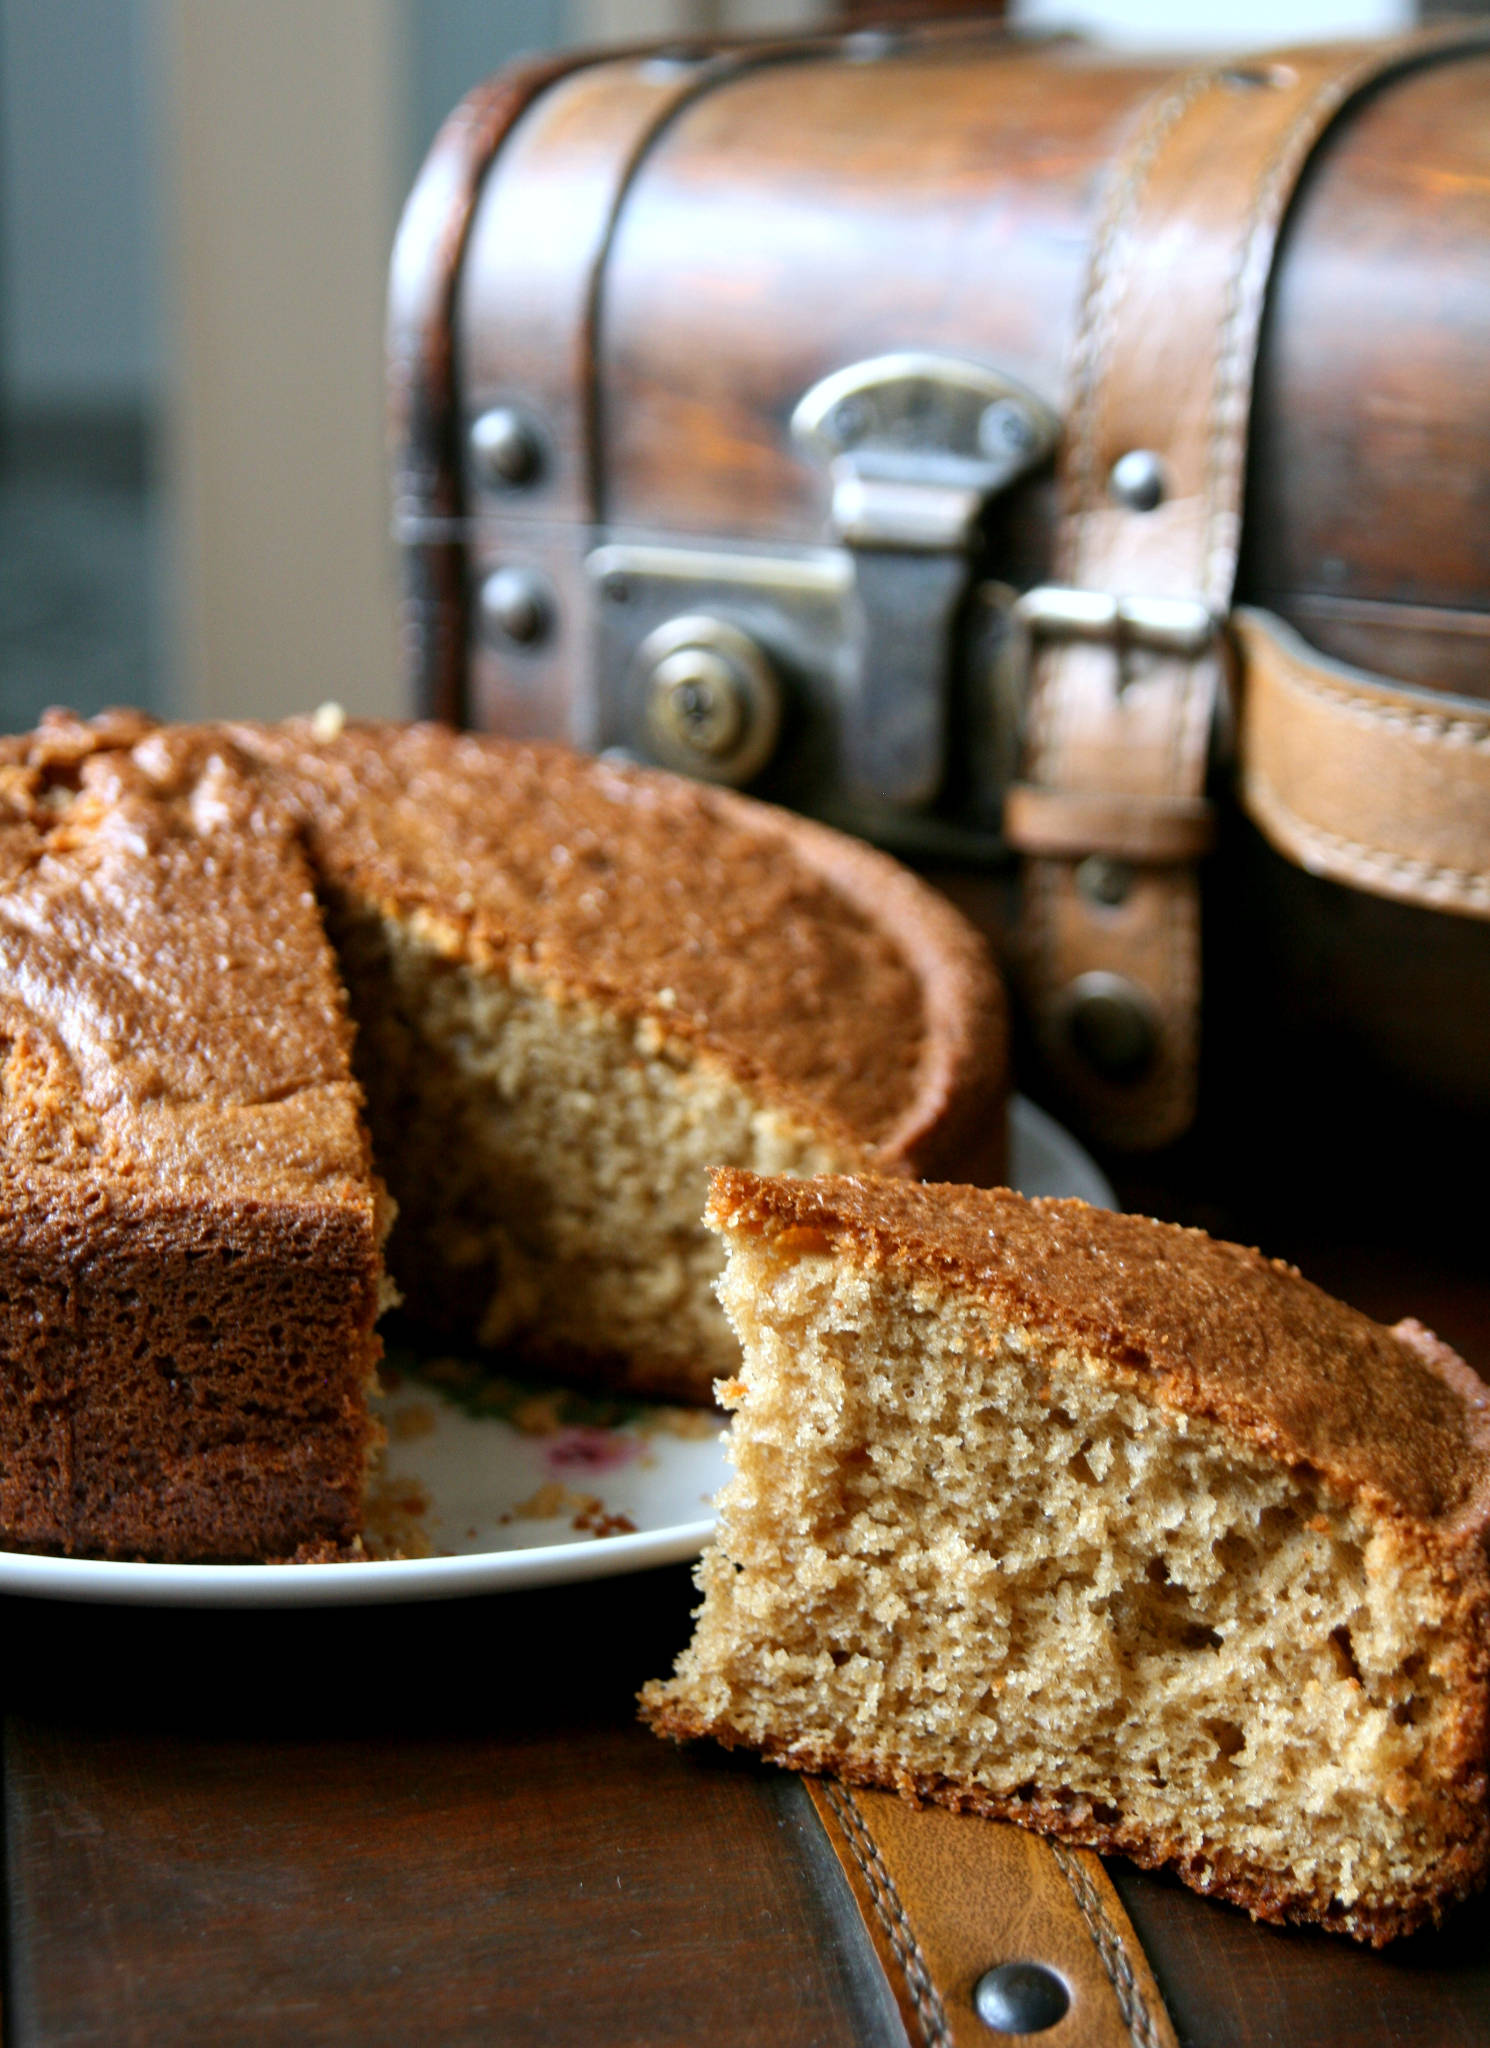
column 490, row 1484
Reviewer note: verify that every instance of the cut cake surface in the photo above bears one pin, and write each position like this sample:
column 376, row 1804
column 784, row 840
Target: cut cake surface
column 1102, row 1526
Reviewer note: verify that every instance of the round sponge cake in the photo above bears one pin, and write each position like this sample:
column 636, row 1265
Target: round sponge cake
column 561, row 990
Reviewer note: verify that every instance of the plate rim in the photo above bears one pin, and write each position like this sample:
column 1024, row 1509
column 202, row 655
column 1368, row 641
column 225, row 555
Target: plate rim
column 364, row 1582
column 353, row 1583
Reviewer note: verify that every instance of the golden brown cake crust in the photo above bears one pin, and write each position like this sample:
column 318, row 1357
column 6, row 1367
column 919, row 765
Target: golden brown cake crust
column 757, row 937
column 161, row 954
column 754, row 935
column 183, row 1164
column 1387, row 1423
column 1390, row 1415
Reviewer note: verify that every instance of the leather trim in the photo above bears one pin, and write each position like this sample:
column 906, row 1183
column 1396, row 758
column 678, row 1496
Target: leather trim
column 1182, row 256
column 947, row 1896
column 1365, row 782
column 1076, row 822
column 889, row 1927
column 422, row 403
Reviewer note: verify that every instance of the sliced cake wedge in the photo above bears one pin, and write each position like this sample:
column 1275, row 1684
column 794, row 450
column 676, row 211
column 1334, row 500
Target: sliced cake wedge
column 1102, row 1526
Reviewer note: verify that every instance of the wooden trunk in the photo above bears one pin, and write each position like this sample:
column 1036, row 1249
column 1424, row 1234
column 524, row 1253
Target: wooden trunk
column 733, row 397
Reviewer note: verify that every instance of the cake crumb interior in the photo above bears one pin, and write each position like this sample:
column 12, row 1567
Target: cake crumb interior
column 550, row 1159
column 957, row 1549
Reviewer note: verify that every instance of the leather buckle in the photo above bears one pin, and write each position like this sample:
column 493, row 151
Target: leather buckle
column 1147, row 828
column 1184, row 626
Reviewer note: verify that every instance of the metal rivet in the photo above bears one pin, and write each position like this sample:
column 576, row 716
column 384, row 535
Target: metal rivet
column 867, row 45
column 1248, row 77
column 515, row 606
column 1005, row 428
column 1101, row 879
column 1112, row 1025
column 506, row 447
column 1137, row 480
column 851, row 418
column 1021, row 1998
column 663, row 65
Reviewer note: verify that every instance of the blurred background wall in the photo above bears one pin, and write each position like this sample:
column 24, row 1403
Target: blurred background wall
column 196, row 203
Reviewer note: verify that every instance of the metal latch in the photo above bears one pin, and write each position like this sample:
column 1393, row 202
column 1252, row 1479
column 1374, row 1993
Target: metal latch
column 916, row 446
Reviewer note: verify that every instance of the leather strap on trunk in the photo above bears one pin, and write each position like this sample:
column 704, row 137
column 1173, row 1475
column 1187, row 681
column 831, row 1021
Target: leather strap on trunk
column 1365, row 782
column 948, row 1897
column 1125, row 657
column 423, row 404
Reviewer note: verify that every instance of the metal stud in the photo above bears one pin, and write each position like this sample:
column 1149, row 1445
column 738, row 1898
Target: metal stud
column 851, row 417
column 1021, row 1998
column 868, row 45
column 1249, row 77
column 1111, row 1024
column 1137, row 480
column 506, row 448
column 515, row 606
column 1103, row 880
column 1005, row 428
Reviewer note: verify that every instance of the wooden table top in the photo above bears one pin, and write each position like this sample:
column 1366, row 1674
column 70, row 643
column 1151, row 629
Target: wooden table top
column 443, row 1824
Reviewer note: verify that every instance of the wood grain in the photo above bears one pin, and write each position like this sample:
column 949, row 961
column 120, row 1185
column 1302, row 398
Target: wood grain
column 1232, row 1984
column 439, row 1825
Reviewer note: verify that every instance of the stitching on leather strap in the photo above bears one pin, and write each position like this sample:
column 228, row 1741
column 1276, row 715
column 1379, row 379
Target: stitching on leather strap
column 1431, row 847
column 1160, row 1105
column 1091, row 334
column 1134, row 2007
column 1106, row 279
column 1354, row 862
column 1272, row 196
column 1454, row 733
column 892, row 1916
column 1232, row 396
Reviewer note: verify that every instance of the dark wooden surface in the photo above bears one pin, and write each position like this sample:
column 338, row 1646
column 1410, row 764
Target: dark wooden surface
column 442, row 1824
column 439, row 1824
